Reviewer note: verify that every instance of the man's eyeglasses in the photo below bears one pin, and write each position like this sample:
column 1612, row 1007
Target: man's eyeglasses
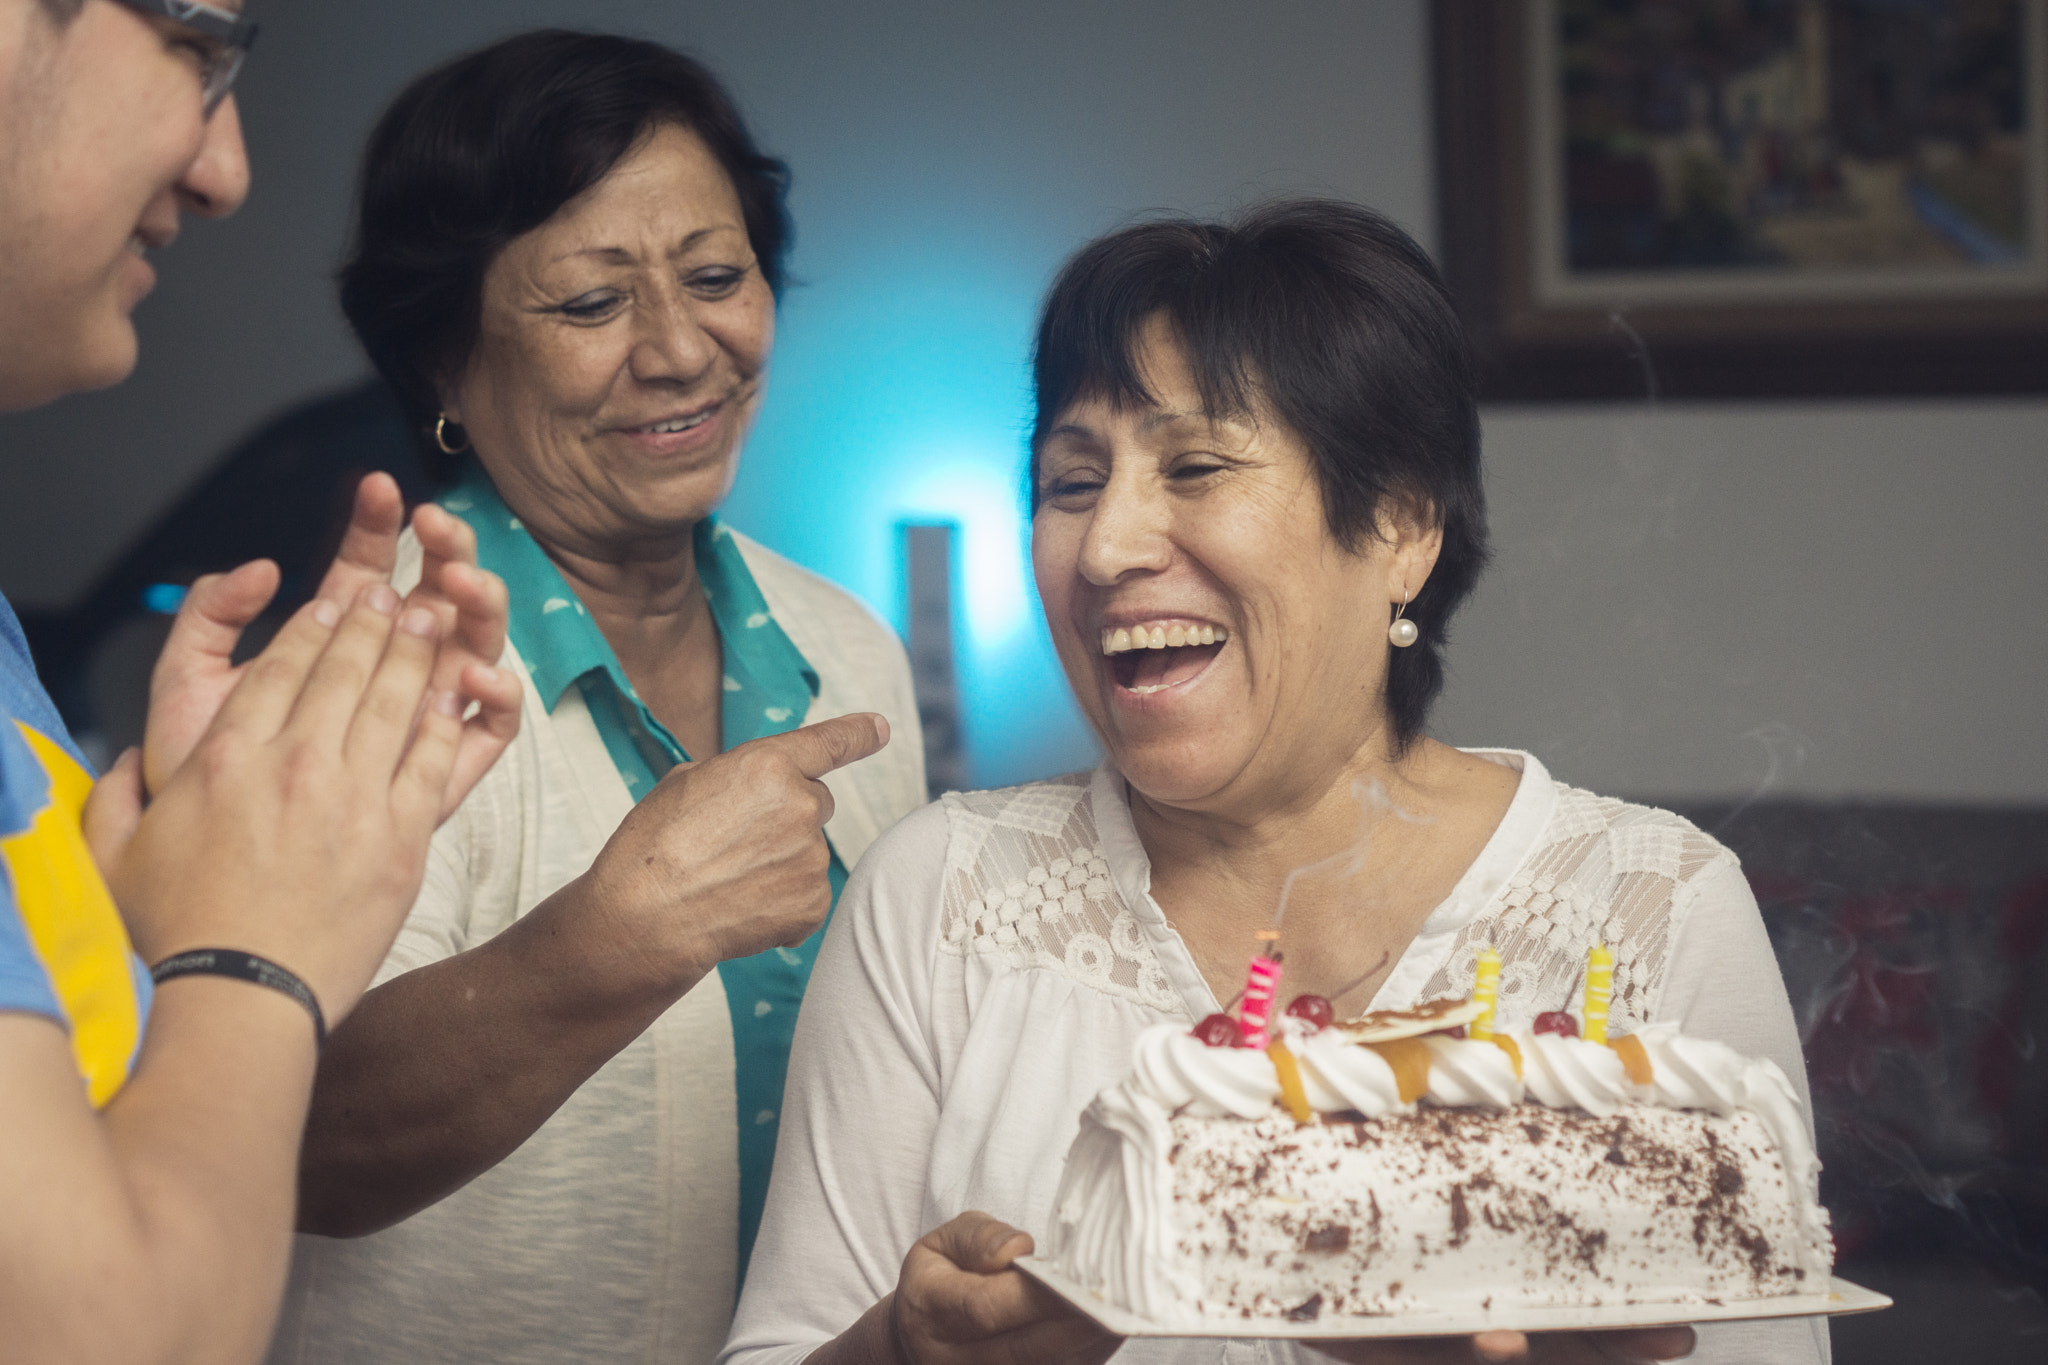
column 220, row 37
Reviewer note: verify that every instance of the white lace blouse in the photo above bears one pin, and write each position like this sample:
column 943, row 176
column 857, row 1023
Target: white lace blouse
column 996, row 955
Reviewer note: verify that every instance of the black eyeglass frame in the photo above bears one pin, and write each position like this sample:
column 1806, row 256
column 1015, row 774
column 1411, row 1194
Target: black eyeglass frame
column 229, row 33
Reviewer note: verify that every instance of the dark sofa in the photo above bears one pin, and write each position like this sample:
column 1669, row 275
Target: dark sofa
column 1914, row 943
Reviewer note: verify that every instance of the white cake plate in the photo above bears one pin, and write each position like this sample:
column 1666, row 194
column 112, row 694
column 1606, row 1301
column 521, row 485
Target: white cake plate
column 1841, row 1297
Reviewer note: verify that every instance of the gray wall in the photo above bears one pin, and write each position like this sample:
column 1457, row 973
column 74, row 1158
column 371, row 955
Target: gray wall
column 1844, row 600
column 1805, row 599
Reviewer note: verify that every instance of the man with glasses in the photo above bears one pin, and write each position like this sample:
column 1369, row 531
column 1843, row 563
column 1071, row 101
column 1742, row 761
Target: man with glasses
column 260, row 853
column 117, row 118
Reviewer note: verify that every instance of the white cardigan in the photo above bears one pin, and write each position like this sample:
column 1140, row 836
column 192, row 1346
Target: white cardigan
column 996, row 955
column 611, row 1234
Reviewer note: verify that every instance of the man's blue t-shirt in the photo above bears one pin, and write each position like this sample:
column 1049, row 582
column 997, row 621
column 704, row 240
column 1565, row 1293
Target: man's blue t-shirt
column 64, row 952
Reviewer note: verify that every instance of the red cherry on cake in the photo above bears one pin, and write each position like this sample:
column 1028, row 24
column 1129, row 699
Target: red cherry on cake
column 1317, row 1011
column 1558, row 1022
column 1218, row 1030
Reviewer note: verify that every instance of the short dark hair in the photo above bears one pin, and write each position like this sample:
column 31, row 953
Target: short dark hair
column 1337, row 321
column 491, row 145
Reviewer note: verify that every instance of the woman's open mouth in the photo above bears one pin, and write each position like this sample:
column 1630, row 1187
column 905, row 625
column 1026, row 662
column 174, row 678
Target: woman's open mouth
column 1155, row 655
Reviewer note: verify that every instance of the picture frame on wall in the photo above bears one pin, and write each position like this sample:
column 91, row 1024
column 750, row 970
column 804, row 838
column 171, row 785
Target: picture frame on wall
column 1746, row 198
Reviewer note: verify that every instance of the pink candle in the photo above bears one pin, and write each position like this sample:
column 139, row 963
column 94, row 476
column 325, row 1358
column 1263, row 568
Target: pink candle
column 1261, row 985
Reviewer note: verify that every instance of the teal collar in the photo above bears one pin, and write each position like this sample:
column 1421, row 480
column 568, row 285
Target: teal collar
column 769, row 685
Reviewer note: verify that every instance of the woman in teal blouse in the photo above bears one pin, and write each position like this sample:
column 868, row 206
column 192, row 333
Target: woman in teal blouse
column 568, row 1083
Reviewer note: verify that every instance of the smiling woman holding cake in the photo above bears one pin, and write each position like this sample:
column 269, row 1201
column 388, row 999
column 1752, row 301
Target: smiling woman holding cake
column 1256, row 504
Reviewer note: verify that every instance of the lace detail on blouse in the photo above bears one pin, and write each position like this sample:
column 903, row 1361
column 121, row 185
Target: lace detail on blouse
column 1606, row 871
column 1026, row 882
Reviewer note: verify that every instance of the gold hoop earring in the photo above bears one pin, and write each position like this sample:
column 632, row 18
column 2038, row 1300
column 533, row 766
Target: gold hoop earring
column 441, row 428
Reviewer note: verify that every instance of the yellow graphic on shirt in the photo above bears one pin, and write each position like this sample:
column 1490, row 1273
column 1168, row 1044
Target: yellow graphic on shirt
column 73, row 925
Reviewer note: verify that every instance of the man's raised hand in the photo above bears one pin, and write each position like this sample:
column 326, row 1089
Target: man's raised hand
column 297, row 828
column 196, row 670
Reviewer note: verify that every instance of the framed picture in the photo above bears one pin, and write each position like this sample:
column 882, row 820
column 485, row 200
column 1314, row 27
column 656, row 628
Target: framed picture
column 1717, row 198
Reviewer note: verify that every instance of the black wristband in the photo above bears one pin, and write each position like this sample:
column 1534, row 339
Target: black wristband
column 233, row 962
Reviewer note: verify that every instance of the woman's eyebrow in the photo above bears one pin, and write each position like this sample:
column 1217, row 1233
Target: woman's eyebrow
column 1208, row 421
column 619, row 255
column 1077, row 430
column 615, row 254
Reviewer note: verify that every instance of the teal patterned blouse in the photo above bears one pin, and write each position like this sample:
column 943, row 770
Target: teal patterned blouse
column 769, row 686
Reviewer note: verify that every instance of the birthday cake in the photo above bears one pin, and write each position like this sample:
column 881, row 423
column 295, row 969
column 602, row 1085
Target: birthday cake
column 1419, row 1160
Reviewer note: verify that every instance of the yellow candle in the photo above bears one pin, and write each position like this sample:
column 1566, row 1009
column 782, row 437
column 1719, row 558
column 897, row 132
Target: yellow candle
column 1485, row 991
column 1599, row 990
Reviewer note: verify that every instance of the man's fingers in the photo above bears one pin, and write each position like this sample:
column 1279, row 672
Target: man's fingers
column 113, row 810
column 272, row 681
column 196, row 669
column 447, row 548
column 444, row 537
column 473, row 606
column 472, row 603
column 484, row 735
column 832, row 744
column 369, row 547
column 390, row 703
column 420, row 786
column 335, row 685
column 216, row 610
column 482, row 607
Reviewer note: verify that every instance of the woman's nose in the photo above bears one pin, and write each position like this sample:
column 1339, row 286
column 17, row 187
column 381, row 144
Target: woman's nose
column 1129, row 531
column 217, row 181
column 672, row 345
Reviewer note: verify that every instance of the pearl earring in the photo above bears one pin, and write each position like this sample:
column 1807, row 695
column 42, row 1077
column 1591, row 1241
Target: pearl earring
column 1403, row 632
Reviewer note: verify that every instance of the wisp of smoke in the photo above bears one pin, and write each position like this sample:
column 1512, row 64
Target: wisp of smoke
column 1784, row 750
column 1351, row 860
column 1639, row 351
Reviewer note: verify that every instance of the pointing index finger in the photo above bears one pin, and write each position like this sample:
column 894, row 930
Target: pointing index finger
column 832, row 744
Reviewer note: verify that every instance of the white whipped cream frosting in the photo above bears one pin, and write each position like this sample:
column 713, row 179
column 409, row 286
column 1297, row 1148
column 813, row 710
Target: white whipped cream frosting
column 1114, row 1209
column 1562, row 1072
column 1177, row 1070
column 1337, row 1074
column 1695, row 1073
column 1468, row 1073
